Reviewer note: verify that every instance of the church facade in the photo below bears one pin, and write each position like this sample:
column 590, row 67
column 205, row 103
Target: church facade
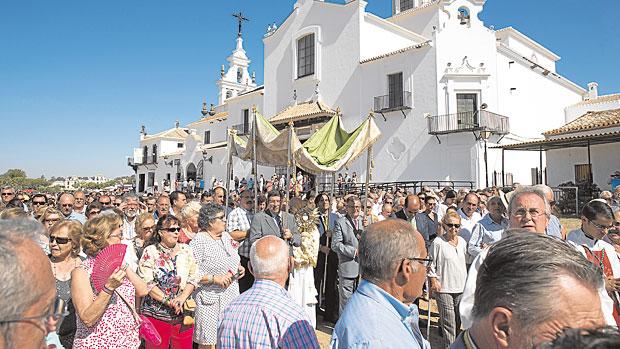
column 443, row 88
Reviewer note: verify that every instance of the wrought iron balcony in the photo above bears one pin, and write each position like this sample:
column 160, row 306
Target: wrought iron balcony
column 481, row 120
column 242, row 129
column 392, row 102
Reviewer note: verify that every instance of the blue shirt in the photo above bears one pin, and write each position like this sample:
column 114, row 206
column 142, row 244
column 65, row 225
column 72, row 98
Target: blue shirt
column 375, row 319
column 486, row 231
column 554, row 228
column 74, row 216
column 265, row 316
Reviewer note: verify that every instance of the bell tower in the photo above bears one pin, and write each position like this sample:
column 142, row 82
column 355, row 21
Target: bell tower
column 236, row 79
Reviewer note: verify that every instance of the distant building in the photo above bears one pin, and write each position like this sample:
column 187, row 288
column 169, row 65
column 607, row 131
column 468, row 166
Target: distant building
column 444, row 89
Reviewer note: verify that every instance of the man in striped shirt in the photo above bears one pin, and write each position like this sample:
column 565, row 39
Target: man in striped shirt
column 266, row 316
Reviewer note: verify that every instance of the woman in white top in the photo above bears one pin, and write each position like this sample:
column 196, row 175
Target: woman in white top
column 448, row 274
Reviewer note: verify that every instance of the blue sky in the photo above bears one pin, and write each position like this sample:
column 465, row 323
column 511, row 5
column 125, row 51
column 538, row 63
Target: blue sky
column 78, row 78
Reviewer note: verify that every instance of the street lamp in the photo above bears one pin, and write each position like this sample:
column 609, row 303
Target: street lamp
column 485, row 135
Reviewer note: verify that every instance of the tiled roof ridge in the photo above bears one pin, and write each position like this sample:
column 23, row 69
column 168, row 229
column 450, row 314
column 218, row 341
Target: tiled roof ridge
column 588, row 121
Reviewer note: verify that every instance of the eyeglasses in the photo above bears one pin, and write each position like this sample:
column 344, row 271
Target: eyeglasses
column 172, row 229
column 451, row 225
column 424, row 261
column 53, row 220
column 7, row 194
column 52, row 318
column 60, row 241
column 66, row 205
column 105, row 202
column 93, row 212
column 521, row 212
column 37, row 203
column 116, row 204
column 601, row 227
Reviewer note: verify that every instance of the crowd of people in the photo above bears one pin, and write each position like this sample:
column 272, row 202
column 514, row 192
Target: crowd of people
column 212, row 269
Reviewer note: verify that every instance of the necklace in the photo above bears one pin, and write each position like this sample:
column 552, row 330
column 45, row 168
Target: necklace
column 167, row 250
column 63, row 277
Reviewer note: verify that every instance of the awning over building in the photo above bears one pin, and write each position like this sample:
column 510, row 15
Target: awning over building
column 564, row 142
column 302, row 111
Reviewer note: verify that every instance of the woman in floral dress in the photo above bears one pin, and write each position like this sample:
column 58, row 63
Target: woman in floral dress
column 104, row 320
column 169, row 269
column 219, row 269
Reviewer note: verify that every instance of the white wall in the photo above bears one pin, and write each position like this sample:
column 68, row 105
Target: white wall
column 574, row 111
column 604, row 158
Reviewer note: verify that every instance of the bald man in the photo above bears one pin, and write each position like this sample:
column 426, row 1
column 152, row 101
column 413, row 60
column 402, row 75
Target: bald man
column 410, row 212
column 266, row 313
column 65, row 206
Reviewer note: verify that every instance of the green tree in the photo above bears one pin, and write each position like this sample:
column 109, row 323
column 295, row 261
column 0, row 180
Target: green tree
column 15, row 173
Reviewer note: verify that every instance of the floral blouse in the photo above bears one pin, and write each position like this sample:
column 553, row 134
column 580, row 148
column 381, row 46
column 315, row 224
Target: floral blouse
column 171, row 275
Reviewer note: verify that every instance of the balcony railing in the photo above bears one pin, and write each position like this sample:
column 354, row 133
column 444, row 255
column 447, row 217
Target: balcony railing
column 481, row 120
column 242, row 129
column 393, row 102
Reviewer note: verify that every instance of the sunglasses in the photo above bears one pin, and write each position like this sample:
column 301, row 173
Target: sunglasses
column 38, row 203
column 451, row 225
column 60, row 241
column 93, row 212
column 172, row 230
column 66, row 205
column 116, row 204
column 424, row 261
column 7, row 194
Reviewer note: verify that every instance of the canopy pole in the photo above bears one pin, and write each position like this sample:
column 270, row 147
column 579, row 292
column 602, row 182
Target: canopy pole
column 288, row 181
column 368, row 173
column 333, row 191
column 589, row 165
column 540, row 162
column 503, row 174
column 254, row 165
column 228, row 169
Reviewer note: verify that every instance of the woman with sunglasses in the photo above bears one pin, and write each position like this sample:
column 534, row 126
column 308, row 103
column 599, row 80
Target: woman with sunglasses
column 103, row 319
column 49, row 217
column 219, row 269
column 65, row 249
column 448, row 274
column 145, row 229
column 169, row 269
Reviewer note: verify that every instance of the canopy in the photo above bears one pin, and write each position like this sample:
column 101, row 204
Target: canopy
column 328, row 150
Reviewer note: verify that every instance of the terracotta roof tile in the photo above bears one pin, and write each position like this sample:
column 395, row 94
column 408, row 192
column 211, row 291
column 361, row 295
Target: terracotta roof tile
column 404, row 49
column 590, row 121
column 210, row 118
column 175, row 132
column 600, row 99
column 302, row 111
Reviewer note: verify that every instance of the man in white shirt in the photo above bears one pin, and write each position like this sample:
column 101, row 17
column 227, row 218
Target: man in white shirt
column 469, row 215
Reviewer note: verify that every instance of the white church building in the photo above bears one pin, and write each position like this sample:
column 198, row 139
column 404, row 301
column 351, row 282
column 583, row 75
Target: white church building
column 444, row 89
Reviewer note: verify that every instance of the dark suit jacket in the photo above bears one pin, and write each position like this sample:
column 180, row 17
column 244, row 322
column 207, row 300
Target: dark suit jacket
column 263, row 224
column 344, row 243
column 419, row 221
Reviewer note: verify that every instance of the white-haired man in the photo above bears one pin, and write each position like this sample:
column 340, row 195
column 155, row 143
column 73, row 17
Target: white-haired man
column 266, row 316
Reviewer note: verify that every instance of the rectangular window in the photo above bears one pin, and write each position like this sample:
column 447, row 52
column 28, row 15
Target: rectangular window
column 151, row 181
column 246, row 121
column 406, row 5
column 207, row 137
column 305, row 56
column 583, row 173
column 179, row 145
column 395, row 90
column 467, row 110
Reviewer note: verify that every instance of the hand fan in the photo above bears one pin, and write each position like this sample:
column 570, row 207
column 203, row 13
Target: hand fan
column 107, row 260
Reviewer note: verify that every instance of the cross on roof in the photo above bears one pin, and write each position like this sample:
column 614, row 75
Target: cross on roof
column 240, row 18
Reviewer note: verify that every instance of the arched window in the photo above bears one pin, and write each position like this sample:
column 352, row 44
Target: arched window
column 228, row 94
column 145, row 154
column 154, row 153
column 239, row 75
column 305, row 56
column 463, row 15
